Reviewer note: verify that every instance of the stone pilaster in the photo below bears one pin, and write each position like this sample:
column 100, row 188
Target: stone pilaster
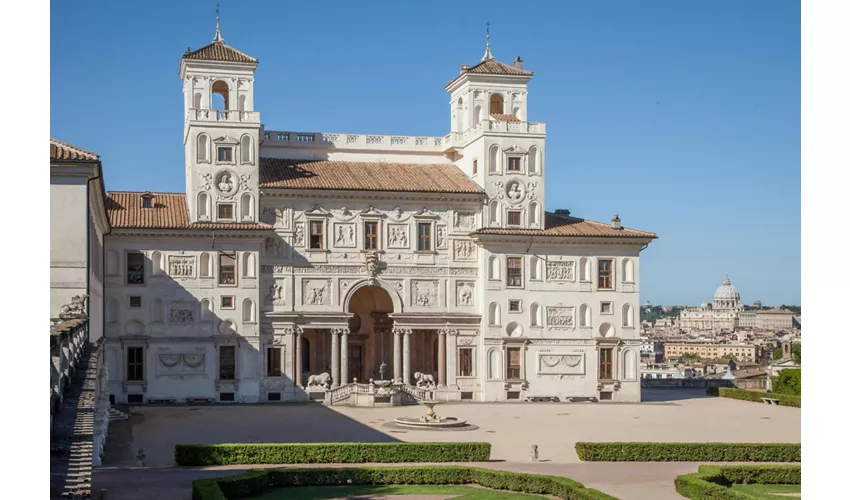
column 343, row 376
column 397, row 366
column 405, row 375
column 441, row 359
column 335, row 333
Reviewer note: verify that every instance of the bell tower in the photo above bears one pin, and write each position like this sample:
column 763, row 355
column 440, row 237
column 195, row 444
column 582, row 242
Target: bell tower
column 221, row 133
column 493, row 142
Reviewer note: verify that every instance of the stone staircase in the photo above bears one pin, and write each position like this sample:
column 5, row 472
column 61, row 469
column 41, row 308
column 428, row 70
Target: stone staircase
column 116, row 415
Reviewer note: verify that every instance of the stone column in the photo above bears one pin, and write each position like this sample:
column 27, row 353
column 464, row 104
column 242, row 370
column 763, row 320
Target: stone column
column 405, row 371
column 343, row 376
column 451, row 360
column 296, row 336
column 441, row 359
column 397, row 333
column 335, row 357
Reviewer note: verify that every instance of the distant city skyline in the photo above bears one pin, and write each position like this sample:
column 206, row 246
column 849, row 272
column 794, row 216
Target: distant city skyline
column 683, row 118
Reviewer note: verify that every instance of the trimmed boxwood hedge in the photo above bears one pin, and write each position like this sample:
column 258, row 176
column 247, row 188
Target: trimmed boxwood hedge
column 329, row 453
column 688, row 452
column 784, row 399
column 256, row 481
column 712, row 482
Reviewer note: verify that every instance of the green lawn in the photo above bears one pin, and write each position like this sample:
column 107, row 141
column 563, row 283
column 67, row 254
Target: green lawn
column 766, row 491
column 325, row 492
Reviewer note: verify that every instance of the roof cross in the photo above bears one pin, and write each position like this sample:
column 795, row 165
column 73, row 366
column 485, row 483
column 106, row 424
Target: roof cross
column 487, row 55
column 217, row 38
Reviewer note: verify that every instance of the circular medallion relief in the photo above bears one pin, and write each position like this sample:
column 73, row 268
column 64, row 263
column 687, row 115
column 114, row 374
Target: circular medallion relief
column 226, row 183
column 515, row 191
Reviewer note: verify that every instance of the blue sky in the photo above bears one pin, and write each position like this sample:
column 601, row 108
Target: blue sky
column 681, row 117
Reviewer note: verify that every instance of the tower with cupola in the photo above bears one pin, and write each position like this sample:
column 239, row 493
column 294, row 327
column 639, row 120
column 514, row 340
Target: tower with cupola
column 221, row 133
column 493, row 142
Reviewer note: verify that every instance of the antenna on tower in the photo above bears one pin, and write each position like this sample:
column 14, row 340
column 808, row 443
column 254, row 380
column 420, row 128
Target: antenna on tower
column 217, row 38
column 487, row 55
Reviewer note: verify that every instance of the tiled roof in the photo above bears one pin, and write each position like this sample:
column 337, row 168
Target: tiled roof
column 777, row 310
column 504, row 118
column 218, row 51
column 494, row 67
column 63, row 151
column 562, row 225
column 168, row 212
column 364, row 176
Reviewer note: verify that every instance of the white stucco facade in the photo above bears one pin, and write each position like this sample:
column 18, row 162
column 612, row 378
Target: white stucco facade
column 283, row 261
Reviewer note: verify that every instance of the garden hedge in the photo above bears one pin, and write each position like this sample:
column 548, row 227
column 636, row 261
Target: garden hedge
column 329, row 453
column 784, row 399
column 788, row 382
column 712, row 482
column 256, row 481
column 688, row 452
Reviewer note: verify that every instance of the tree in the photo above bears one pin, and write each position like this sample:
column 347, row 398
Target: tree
column 691, row 355
column 729, row 356
column 795, row 350
column 777, row 353
column 788, row 382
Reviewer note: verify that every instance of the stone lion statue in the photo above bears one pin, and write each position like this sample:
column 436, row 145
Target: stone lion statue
column 423, row 380
column 76, row 309
column 321, row 380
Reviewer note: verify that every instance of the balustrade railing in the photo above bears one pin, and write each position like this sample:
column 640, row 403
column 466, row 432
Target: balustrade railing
column 224, row 115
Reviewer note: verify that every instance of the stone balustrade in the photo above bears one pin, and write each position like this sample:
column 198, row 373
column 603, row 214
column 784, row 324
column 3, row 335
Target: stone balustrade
column 227, row 115
column 353, row 141
column 459, row 139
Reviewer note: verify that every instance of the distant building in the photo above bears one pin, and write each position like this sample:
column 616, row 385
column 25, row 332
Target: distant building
column 775, row 319
column 742, row 352
column 722, row 314
column 757, row 304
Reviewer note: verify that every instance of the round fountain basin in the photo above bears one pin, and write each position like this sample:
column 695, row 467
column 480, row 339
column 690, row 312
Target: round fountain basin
column 443, row 422
column 382, row 383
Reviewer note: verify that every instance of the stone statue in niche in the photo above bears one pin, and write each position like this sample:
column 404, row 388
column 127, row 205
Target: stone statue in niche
column 441, row 236
column 299, row 235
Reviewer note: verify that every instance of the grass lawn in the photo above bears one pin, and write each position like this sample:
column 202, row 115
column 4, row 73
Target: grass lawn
column 766, row 491
column 325, row 492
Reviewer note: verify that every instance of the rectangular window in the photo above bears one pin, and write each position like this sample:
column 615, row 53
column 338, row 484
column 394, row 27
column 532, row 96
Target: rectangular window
column 606, row 308
column 605, row 356
column 227, row 362
column 225, row 211
column 513, row 306
column 147, row 203
column 514, row 271
column 227, row 302
column 370, row 235
column 465, row 362
column 513, row 363
column 135, row 301
column 135, row 268
column 135, row 363
column 227, row 269
column 317, row 235
column 225, row 154
column 474, row 167
column 514, row 217
column 424, row 240
column 513, row 165
column 606, row 273
column 273, row 360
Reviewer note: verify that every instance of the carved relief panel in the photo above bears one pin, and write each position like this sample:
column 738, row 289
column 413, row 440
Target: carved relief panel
column 561, row 364
column 441, row 241
column 464, row 221
column 397, row 236
column 560, row 317
column 464, row 250
column 298, row 238
column 465, row 293
column 180, row 364
column 275, row 294
column 181, row 313
column 181, row 266
column 316, row 292
column 344, row 235
column 561, row 270
column 424, row 293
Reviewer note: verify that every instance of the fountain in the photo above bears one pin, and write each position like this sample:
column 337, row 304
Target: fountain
column 431, row 420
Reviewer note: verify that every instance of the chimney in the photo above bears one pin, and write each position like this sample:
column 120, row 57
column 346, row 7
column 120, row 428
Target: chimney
column 562, row 211
column 464, row 68
column 518, row 63
column 615, row 222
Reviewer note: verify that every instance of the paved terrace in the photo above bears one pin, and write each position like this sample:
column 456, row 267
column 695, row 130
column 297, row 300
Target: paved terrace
column 665, row 415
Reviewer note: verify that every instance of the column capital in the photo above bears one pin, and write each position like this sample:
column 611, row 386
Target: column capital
column 447, row 331
column 402, row 331
column 294, row 329
column 339, row 331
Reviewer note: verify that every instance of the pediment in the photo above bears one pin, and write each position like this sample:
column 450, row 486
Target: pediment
column 515, row 149
column 426, row 214
column 317, row 211
column 370, row 212
column 225, row 139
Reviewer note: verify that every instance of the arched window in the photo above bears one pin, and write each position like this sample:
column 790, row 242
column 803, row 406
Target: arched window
column 628, row 271
column 156, row 311
column 517, row 112
column 203, row 148
column 629, row 365
column 112, row 311
column 248, row 311
column 494, row 213
column 206, row 310
column 221, row 95
column 247, row 207
column 477, row 114
column 533, row 214
column 536, row 316
column 157, row 263
column 495, row 314
column 246, row 148
column 203, row 206
column 460, row 127
column 494, row 364
column 494, row 159
column 628, row 316
column 584, row 316
column 532, row 160
column 206, row 265
column 494, row 268
column 197, row 102
column 249, row 265
column 584, row 269
column 112, row 263
column 497, row 104
column 536, row 268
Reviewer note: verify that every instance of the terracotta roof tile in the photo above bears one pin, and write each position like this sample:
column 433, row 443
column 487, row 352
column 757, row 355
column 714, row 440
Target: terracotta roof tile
column 504, row 118
column 63, row 151
column 364, row 176
column 562, row 225
column 493, row 67
column 168, row 212
column 218, row 51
